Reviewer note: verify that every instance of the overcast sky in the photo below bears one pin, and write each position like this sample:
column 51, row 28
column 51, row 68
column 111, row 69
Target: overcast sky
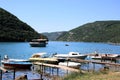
column 61, row 15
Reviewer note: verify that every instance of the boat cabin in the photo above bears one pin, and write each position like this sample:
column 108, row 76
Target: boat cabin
column 74, row 53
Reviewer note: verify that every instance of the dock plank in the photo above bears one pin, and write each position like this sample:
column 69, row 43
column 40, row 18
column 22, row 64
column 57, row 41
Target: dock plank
column 58, row 66
column 93, row 61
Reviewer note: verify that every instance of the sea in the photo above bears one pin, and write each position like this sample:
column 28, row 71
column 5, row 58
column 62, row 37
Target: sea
column 22, row 50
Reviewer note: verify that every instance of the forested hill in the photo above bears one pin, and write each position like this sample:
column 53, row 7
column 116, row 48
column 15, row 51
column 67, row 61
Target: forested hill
column 99, row 31
column 52, row 36
column 13, row 29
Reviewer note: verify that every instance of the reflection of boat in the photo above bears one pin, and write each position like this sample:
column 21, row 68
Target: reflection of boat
column 15, row 63
column 70, row 64
column 70, row 55
column 43, row 57
column 38, row 43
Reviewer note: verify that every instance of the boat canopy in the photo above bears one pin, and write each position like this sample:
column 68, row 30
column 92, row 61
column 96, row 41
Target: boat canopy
column 36, row 55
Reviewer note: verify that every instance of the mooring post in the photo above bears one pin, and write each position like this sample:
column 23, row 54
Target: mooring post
column 57, row 71
column 88, row 66
column 0, row 70
column 93, row 67
column 0, row 74
column 13, row 73
column 52, row 71
column 0, row 60
column 41, row 72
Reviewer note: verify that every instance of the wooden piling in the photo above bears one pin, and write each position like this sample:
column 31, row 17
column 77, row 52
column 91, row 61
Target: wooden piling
column 93, row 67
column 0, row 74
column 14, row 74
column 4, row 70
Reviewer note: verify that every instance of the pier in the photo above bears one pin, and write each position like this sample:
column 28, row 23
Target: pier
column 54, row 69
column 57, row 66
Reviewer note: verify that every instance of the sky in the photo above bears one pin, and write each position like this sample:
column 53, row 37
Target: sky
column 61, row 15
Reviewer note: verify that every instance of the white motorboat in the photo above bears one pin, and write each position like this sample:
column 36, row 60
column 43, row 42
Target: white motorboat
column 62, row 57
column 7, row 59
column 15, row 63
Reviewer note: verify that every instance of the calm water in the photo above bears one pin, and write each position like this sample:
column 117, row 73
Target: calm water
column 22, row 50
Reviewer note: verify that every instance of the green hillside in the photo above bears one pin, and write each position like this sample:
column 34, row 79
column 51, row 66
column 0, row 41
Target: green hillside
column 52, row 36
column 13, row 29
column 99, row 31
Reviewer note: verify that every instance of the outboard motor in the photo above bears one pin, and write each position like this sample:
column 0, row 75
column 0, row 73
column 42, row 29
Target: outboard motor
column 6, row 57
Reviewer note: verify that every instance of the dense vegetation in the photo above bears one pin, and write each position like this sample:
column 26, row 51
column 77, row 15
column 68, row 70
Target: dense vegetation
column 93, row 76
column 13, row 29
column 99, row 31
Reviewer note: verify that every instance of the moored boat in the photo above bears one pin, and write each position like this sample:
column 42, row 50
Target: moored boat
column 43, row 57
column 15, row 63
column 62, row 57
column 38, row 42
column 104, row 56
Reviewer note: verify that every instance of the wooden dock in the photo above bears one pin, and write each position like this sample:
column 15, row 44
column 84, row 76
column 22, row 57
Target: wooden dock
column 93, row 61
column 57, row 66
column 4, row 70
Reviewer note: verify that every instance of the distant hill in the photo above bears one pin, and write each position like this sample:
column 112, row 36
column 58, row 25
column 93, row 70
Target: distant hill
column 52, row 36
column 13, row 29
column 99, row 31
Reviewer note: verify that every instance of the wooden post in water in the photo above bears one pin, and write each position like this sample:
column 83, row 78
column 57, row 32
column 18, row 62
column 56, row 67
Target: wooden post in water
column 0, row 70
column 41, row 72
column 88, row 67
column 13, row 73
column 0, row 60
column 0, row 74
column 57, row 71
column 52, row 71
column 93, row 67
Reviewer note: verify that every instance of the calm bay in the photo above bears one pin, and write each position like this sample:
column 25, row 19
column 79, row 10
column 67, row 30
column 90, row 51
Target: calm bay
column 22, row 50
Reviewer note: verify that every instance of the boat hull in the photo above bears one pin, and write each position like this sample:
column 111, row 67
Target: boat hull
column 16, row 65
column 45, row 60
column 38, row 44
column 64, row 58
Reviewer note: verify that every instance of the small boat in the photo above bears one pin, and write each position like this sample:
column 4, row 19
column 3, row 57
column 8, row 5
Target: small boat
column 6, row 59
column 70, row 64
column 38, row 42
column 99, row 56
column 62, row 57
column 43, row 57
column 15, row 63
column 66, row 44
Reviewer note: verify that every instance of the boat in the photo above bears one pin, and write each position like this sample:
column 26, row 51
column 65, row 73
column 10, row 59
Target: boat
column 43, row 57
column 70, row 64
column 104, row 56
column 15, row 63
column 38, row 42
column 63, row 57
